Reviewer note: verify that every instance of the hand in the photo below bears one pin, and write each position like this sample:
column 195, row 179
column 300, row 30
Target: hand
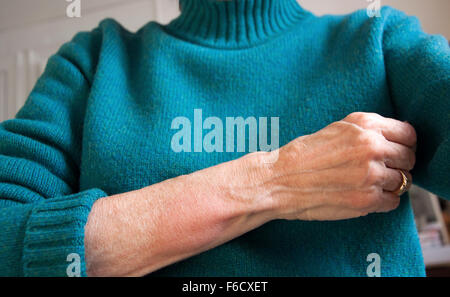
column 346, row 170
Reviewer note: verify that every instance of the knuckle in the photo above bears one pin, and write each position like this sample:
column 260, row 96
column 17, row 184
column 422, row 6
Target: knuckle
column 347, row 129
column 363, row 137
column 408, row 159
column 356, row 117
column 340, row 125
column 411, row 132
column 362, row 119
column 373, row 174
column 371, row 144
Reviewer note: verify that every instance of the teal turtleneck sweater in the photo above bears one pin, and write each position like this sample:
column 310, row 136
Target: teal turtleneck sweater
column 98, row 122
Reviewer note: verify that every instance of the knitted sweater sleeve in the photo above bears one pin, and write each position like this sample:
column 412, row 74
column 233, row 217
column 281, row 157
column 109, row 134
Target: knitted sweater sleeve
column 418, row 74
column 42, row 211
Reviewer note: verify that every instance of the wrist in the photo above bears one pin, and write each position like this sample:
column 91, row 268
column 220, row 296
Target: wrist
column 277, row 198
column 253, row 180
column 234, row 190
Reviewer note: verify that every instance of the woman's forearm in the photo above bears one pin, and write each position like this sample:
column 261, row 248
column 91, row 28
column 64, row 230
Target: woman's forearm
column 348, row 169
column 138, row 232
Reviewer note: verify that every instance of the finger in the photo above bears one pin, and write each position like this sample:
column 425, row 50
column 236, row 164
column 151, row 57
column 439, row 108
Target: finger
column 399, row 156
column 388, row 202
column 393, row 179
column 399, row 132
column 393, row 130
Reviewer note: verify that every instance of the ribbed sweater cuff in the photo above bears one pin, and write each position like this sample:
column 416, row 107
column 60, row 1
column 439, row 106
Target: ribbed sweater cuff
column 55, row 229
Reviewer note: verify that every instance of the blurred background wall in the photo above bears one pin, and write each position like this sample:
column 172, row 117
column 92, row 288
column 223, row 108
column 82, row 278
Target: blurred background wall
column 432, row 13
column 32, row 30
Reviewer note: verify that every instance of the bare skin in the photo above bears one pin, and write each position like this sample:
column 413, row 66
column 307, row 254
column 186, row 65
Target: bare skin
column 346, row 170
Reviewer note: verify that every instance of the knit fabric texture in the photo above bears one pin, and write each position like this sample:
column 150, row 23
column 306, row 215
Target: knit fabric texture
column 99, row 122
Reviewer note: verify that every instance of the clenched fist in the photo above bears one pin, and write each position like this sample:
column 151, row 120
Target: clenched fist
column 349, row 169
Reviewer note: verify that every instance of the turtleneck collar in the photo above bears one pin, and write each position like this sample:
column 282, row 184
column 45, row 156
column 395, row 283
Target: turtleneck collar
column 234, row 23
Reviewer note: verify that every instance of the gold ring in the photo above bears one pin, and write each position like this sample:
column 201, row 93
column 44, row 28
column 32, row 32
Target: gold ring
column 404, row 186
